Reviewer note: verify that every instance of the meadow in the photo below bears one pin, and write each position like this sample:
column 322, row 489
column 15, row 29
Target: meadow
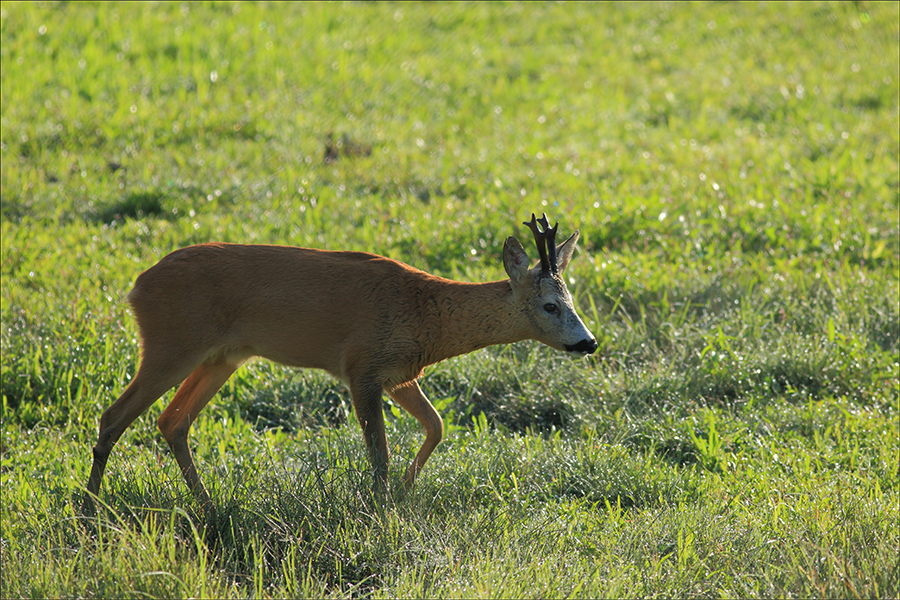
column 732, row 168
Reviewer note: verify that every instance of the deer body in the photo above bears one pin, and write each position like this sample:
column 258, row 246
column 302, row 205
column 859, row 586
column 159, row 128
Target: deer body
column 372, row 322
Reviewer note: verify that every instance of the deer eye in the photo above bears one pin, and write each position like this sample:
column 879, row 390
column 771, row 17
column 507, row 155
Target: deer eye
column 550, row 308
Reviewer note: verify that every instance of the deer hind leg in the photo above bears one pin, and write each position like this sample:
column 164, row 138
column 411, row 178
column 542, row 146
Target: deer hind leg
column 410, row 397
column 175, row 422
column 154, row 378
column 369, row 410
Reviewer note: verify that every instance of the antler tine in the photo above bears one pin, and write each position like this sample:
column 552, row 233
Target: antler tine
column 550, row 234
column 546, row 243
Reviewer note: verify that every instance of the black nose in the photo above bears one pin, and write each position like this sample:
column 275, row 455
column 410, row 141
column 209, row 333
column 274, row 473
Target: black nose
column 584, row 347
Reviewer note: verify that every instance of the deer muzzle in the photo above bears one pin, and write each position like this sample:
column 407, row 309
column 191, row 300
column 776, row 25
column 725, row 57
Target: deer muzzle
column 584, row 347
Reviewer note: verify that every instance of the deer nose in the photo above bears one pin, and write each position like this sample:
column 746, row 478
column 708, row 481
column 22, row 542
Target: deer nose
column 583, row 347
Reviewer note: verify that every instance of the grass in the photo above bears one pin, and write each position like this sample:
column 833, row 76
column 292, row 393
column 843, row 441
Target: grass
column 733, row 169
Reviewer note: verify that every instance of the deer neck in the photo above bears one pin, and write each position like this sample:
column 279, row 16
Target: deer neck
column 473, row 316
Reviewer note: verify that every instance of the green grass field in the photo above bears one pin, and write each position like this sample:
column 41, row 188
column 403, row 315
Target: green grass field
column 733, row 169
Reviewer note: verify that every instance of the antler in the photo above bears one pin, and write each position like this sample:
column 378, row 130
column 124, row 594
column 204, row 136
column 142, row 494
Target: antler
column 546, row 243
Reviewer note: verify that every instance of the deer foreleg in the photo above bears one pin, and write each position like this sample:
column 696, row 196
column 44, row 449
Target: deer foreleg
column 369, row 410
column 410, row 397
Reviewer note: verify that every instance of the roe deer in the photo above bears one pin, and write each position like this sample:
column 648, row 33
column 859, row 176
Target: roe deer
column 372, row 322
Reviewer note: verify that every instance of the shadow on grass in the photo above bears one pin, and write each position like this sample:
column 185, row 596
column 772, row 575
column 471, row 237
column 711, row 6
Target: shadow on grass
column 135, row 205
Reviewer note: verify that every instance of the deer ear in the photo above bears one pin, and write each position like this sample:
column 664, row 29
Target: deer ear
column 515, row 261
column 565, row 250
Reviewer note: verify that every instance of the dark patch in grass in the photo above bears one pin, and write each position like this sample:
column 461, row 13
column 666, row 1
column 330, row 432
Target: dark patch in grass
column 868, row 102
column 518, row 414
column 292, row 406
column 498, row 388
column 504, row 403
column 344, row 147
column 615, row 484
column 135, row 205
column 675, row 451
column 14, row 209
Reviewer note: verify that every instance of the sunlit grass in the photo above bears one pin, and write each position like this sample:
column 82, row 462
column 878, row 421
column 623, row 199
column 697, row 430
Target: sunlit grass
column 733, row 169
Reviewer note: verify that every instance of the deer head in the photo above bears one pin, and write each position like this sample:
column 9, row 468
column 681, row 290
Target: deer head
column 541, row 291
